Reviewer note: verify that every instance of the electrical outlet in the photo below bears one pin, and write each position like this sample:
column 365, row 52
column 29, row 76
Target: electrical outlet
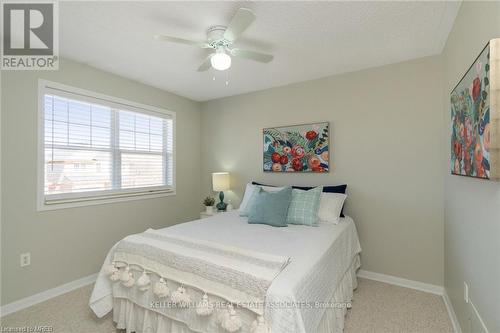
column 25, row 259
column 466, row 292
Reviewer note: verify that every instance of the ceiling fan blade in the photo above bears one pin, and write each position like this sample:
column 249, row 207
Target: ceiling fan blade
column 240, row 21
column 206, row 65
column 257, row 56
column 166, row 38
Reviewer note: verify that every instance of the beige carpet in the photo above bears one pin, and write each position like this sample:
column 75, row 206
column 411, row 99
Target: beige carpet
column 377, row 307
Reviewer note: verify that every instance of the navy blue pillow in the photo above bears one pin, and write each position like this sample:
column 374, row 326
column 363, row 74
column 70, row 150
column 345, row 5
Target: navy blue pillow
column 327, row 189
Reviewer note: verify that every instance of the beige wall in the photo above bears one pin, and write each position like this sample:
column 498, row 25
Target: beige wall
column 69, row 244
column 472, row 206
column 386, row 128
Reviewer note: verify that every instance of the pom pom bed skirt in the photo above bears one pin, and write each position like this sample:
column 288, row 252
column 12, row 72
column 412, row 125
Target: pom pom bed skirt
column 134, row 318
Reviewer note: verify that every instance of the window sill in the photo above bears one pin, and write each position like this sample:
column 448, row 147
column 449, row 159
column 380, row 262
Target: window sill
column 106, row 199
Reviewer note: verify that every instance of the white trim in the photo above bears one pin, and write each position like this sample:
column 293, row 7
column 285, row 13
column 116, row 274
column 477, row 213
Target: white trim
column 478, row 316
column 104, row 197
column 143, row 108
column 1, row 164
column 82, row 282
column 51, row 199
column 451, row 313
column 102, row 201
column 46, row 295
column 427, row 287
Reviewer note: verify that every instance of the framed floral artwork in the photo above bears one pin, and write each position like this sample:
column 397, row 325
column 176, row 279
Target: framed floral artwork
column 297, row 148
column 475, row 149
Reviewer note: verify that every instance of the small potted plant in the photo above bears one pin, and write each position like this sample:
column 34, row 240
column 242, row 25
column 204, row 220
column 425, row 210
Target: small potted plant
column 209, row 203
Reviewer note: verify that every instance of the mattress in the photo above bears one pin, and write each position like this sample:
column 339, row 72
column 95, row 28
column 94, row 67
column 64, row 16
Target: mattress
column 299, row 296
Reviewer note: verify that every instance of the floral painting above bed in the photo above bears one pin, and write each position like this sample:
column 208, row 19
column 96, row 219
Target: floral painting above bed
column 298, row 148
column 472, row 131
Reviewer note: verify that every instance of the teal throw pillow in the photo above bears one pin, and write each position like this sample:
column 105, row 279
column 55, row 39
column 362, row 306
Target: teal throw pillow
column 270, row 208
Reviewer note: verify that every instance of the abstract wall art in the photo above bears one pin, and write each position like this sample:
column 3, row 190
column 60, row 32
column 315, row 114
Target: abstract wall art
column 475, row 103
column 297, row 148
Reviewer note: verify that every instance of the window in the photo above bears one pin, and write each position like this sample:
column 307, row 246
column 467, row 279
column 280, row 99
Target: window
column 97, row 148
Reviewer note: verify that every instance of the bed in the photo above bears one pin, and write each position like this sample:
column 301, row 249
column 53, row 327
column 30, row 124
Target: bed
column 310, row 294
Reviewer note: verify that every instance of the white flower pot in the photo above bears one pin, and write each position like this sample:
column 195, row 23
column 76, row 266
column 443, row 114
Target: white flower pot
column 209, row 209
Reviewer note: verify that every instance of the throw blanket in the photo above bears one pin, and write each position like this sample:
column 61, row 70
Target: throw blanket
column 234, row 274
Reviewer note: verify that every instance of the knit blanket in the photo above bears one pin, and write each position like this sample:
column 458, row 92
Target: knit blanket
column 237, row 275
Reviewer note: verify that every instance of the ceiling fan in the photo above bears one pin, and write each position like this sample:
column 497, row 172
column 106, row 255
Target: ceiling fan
column 221, row 39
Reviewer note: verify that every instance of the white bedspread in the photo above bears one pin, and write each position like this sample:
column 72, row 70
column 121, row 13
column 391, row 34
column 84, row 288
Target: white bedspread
column 320, row 256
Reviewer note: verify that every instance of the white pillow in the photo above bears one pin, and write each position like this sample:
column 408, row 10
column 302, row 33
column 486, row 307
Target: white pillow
column 330, row 207
column 249, row 191
column 246, row 197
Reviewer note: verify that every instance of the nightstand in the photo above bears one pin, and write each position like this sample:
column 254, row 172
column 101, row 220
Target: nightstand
column 204, row 215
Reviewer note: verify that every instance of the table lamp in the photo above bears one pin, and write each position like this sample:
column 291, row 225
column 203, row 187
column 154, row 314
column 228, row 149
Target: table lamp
column 220, row 183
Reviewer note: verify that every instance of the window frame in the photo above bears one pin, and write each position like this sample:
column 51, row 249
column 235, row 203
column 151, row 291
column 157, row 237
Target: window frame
column 89, row 198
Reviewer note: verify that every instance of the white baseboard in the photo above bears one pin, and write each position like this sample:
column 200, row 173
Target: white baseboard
column 46, row 295
column 451, row 313
column 429, row 288
column 70, row 286
column 479, row 318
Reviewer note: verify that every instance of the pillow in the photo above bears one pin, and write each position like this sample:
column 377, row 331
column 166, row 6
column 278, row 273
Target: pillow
column 330, row 207
column 249, row 196
column 246, row 197
column 304, row 207
column 270, row 208
column 251, row 201
column 327, row 189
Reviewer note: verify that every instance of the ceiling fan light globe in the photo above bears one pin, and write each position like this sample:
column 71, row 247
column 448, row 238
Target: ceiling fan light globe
column 220, row 61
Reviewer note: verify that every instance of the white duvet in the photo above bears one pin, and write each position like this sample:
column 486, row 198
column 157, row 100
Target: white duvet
column 320, row 256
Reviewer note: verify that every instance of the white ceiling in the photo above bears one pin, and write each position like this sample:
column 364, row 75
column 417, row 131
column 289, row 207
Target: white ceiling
column 308, row 39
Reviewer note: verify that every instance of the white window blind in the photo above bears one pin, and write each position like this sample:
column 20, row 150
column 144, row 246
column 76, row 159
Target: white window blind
column 95, row 148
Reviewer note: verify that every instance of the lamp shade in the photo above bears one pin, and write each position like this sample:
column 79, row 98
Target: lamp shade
column 220, row 181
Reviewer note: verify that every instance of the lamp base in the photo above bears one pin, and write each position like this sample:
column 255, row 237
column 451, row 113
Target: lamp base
column 221, row 206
